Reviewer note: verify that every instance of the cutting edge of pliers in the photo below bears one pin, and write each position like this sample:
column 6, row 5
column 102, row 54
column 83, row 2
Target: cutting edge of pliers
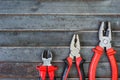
column 105, row 43
column 47, row 58
column 105, row 36
column 75, row 47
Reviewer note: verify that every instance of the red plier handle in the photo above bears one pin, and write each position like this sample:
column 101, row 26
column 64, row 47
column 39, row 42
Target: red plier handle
column 51, row 72
column 79, row 65
column 43, row 70
column 113, row 63
column 93, row 65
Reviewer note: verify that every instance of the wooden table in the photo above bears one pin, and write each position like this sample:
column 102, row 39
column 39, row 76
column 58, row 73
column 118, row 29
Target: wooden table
column 27, row 27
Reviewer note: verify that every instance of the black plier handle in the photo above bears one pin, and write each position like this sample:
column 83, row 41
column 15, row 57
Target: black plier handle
column 79, row 65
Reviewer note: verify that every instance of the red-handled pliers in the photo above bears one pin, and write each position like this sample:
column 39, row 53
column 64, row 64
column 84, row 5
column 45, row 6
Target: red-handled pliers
column 47, row 67
column 74, row 52
column 105, row 43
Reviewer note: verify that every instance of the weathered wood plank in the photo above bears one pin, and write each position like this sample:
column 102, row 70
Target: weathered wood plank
column 33, row 54
column 48, row 79
column 59, row 6
column 17, row 79
column 44, row 38
column 48, row 22
column 104, row 79
column 51, row 38
column 35, row 38
column 28, row 70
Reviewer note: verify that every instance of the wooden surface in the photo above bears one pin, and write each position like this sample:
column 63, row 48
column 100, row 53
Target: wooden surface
column 27, row 27
column 60, row 6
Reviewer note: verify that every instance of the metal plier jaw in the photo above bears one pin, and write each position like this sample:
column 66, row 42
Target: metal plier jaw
column 105, row 35
column 47, row 67
column 47, row 58
column 75, row 47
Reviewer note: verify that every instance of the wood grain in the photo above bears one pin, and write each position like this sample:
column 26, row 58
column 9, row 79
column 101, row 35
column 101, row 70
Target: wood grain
column 48, row 79
column 52, row 38
column 55, row 22
column 59, row 6
column 33, row 54
column 28, row 70
column 27, row 27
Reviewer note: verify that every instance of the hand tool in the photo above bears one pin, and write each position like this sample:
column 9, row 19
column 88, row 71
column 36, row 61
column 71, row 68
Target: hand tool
column 47, row 67
column 74, row 53
column 104, row 44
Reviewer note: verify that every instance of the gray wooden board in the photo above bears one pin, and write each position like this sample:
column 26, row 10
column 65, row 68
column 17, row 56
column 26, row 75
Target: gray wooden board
column 54, row 22
column 56, row 78
column 27, row 27
column 59, row 6
column 52, row 38
column 28, row 70
column 17, row 79
column 33, row 54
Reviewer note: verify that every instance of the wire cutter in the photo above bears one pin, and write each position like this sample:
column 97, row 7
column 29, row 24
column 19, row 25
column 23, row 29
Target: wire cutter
column 46, row 67
column 104, row 44
column 74, row 53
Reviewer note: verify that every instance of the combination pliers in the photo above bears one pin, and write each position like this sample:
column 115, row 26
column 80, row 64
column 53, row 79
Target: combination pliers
column 74, row 53
column 47, row 67
column 104, row 44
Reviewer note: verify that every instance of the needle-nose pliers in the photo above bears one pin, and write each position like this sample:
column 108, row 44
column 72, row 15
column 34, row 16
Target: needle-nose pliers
column 74, row 52
column 47, row 67
column 104, row 44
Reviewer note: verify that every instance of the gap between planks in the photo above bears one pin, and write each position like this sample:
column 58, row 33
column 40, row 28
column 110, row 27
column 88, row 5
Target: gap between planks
column 50, row 30
column 102, row 62
column 49, row 46
column 60, row 14
column 43, row 46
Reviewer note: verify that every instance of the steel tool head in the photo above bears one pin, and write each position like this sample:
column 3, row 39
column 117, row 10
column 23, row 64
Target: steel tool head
column 75, row 46
column 47, row 57
column 105, row 35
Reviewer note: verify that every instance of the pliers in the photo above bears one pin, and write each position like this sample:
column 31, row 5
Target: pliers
column 104, row 44
column 74, row 53
column 47, row 67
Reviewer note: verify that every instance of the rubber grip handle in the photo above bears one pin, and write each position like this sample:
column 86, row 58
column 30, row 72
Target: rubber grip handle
column 68, row 65
column 114, row 66
column 79, row 65
column 42, row 72
column 93, row 65
column 51, row 72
